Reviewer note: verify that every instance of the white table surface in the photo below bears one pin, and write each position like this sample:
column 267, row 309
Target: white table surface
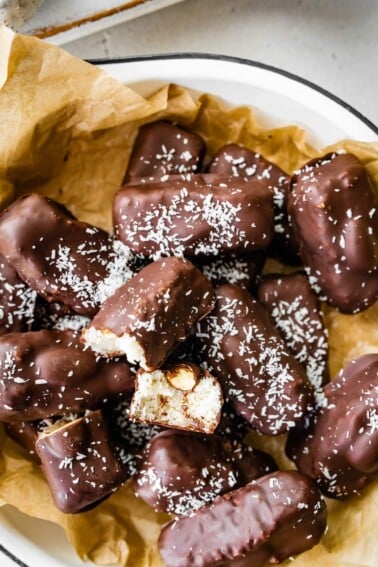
column 333, row 43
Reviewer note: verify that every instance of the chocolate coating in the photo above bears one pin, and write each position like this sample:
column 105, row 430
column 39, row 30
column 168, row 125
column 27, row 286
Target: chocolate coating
column 265, row 522
column 25, row 433
column 239, row 161
column 47, row 373
column 162, row 149
column 338, row 446
column 57, row 317
column 241, row 346
column 158, row 307
column 63, row 259
column 17, row 300
column 194, row 215
column 243, row 270
column 334, row 210
column 80, row 463
column 296, row 313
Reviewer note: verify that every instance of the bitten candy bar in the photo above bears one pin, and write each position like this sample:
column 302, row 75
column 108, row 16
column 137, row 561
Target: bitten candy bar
column 194, row 215
column 241, row 346
column 80, row 463
column 150, row 315
column 338, row 446
column 183, row 397
column 267, row 521
column 241, row 162
column 335, row 214
column 162, row 148
column 17, row 300
column 47, row 373
column 296, row 313
column 63, row 259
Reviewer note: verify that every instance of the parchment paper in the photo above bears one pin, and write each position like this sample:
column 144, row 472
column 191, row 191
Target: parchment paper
column 66, row 130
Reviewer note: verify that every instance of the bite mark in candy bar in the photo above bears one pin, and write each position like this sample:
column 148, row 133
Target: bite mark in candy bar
column 296, row 313
column 80, row 463
column 183, row 397
column 162, row 149
column 239, row 161
column 150, row 315
column 241, row 346
column 61, row 258
column 194, row 215
column 338, row 445
column 334, row 210
column 263, row 523
column 17, row 300
column 47, row 373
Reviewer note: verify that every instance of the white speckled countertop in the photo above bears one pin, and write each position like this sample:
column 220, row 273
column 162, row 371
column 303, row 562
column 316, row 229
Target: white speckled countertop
column 333, row 43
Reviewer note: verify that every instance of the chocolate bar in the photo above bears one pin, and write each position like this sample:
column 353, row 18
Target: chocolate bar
column 338, row 445
column 334, row 210
column 17, row 300
column 267, row 521
column 243, row 270
column 150, row 315
column 183, row 397
column 80, row 463
column 61, row 258
column 296, row 313
column 241, row 346
column 161, row 148
column 239, row 161
column 194, row 215
column 47, row 373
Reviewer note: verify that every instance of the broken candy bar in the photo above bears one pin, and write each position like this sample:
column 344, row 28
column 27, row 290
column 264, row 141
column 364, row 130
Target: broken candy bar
column 296, row 313
column 150, row 315
column 183, row 397
column 63, row 259
column 47, row 373
column 17, row 300
column 194, row 215
column 79, row 462
column 265, row 522
column 162, row 148
column 335, row 214
column 241, row 346
column 338, row 445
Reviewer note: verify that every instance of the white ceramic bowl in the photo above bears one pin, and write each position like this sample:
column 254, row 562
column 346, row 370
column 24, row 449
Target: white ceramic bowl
column 280, row 98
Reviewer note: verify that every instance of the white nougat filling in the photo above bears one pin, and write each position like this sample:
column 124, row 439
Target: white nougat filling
column 106, row 343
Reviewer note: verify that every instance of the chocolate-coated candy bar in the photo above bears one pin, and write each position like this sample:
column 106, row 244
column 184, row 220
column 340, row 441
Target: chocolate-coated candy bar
column 181, row 471
column 265, row 522
column 47, row 373
column 238, row 269
column 241, row 346
column 17, row 300
column 295, row 311
column 80, row 463
column 184, row 397
column 239, row 161
column 334, row 210
column 63, row 259
column 194, row 215
column 338, row 446
column 151, row 314
column 162, row 149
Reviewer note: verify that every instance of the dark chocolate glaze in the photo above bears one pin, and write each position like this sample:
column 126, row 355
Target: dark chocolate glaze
column 158, row 306
column 17, row 300
column 239, row 269
column 80, row 463
column 57, row 317
column 25, row 433
column 239, row 161
column 334, row 210
column 194, row 215
column 241, row 346
column 63, row 259
column 251, row 463
column 161, row 148
column 265, row 522
column 47, row 373
column 296, row 313
column 338, row 446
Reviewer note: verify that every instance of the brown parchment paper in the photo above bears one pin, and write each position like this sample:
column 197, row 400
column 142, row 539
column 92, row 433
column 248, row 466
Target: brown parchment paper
column 66, row 130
